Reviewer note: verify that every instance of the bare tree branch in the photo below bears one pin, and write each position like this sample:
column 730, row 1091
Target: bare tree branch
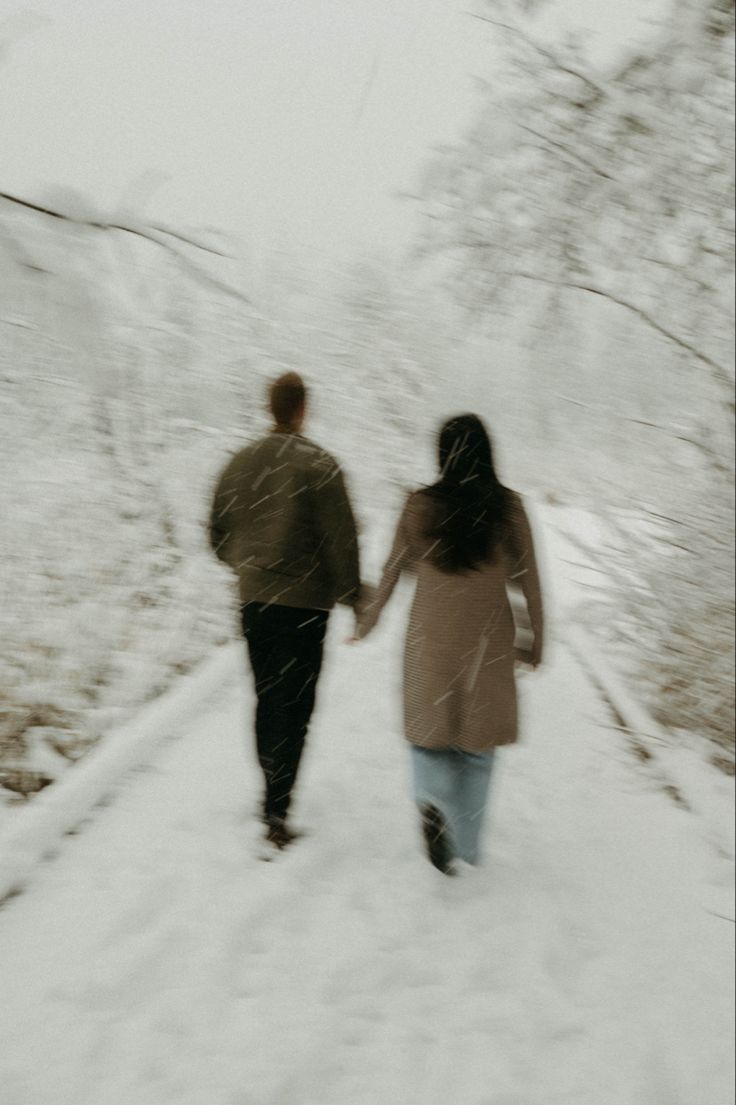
column 720, row 373
column 187, row 241
column 151, row 234
column 31, row 206
column 542, row 51
column 566, row 150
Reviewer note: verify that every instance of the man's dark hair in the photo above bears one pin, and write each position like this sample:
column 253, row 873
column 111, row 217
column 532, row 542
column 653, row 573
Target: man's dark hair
column 286, row 398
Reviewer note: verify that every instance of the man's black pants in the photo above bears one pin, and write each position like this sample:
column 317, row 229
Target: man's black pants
column 285, row 646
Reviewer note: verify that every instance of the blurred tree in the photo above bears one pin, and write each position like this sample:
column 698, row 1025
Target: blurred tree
column 575, row 187
column 393, row 355
column 617, row 187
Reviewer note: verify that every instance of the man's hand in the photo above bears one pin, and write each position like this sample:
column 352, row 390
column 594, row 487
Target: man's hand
column 365, row 598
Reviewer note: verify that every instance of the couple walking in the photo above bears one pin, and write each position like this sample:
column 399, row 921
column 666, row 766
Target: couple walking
column 282, row 520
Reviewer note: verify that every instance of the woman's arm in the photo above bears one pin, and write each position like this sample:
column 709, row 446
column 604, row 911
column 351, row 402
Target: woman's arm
column 523, row 573
column 399, row 559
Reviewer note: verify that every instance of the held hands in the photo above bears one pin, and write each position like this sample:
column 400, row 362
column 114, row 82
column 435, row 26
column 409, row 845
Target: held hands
column 367, row 594
column 527, row 659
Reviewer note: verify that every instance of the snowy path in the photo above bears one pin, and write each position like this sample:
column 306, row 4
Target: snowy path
column 156, row 960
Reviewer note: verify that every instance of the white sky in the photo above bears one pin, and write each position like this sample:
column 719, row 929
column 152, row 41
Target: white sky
column 290, row 123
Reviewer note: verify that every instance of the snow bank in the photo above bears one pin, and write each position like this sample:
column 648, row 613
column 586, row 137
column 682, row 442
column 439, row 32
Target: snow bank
column 33, row 833
column 681, row 764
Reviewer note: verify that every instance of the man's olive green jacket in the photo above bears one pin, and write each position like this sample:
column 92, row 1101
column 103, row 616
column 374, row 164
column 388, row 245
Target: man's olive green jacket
column 281, row 519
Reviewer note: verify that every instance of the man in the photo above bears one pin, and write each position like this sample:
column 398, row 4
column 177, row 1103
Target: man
column 281, row 519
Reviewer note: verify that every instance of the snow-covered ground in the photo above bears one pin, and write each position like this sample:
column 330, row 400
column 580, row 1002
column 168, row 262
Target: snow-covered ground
column 158, row 960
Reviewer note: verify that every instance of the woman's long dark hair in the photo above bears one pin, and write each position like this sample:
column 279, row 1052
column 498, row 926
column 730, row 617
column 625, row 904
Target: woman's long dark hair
column 471, row 505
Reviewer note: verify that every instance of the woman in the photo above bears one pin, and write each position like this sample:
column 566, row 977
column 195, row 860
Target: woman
column 467, row 539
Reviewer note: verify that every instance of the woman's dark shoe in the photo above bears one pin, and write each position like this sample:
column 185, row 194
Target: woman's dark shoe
column 278, row 833
column 436, row 839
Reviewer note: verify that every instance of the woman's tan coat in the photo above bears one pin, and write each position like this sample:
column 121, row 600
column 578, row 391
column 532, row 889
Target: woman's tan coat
column 459, row 686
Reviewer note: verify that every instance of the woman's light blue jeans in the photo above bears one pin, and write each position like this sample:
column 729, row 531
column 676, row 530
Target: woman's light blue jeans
column 457, row 784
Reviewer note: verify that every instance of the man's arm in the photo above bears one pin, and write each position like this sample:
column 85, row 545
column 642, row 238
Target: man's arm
column 220, row 522
column 338, row 533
